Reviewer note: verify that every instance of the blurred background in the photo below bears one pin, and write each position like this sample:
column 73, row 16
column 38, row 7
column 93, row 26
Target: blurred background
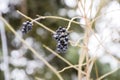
column 19, row 63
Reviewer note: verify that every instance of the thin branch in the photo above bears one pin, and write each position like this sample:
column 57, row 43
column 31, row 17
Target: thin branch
column 69, row 24
column 61, row 58
column 96, row 70
column 40, row 24
column 98, row 17
column 34, row 52
column 80, row 7
column 36, row 19
column 90, row 8
column 37, row 78
column 60, row 18
column 67, row 68
column 102, row 44
column 66, row 61
column 5, row 51
column 71, row 67
column 107, row 74
column 76, row 44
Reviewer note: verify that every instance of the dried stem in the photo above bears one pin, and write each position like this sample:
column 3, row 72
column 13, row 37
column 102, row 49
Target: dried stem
column 62, row 58
column 67, row 68
column 60, row 18
column 71, row 67
column 69, row 24
column 66, row 61
column 5, row 52
column 109, row 73
column 45, row 27
column 36, row 19
column 96, row 70
column 37, row 78
column 98, row 17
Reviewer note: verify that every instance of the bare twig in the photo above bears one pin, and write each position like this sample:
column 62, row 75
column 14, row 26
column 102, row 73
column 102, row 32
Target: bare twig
column 107, row 74
column 5, row 52
column 45, row 27
column 96, row 70
column 69, row 24
column 37, row 78
column 70, row 67
column 67, row 68
column 98, row 17
column 60, row 18
column 66, row 61
column 62, row 58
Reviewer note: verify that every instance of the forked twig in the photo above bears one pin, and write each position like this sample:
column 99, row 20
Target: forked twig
column 5, row 52
column 69, row 24
column 60, row 18
column 45, row 27
column 67, row 68
column 103, row 15
column 107, row 74
column 66, row 61
column 70, row 67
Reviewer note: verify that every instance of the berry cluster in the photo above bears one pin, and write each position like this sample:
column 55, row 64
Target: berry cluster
column 61, row 36
column 26, row 27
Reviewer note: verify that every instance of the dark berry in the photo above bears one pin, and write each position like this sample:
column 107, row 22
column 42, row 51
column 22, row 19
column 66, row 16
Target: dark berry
column 26, row 27
column 61, row 36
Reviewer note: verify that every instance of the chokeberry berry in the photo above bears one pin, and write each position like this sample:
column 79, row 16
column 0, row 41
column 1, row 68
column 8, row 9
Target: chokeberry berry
column 26, row 27
column 61, row 36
